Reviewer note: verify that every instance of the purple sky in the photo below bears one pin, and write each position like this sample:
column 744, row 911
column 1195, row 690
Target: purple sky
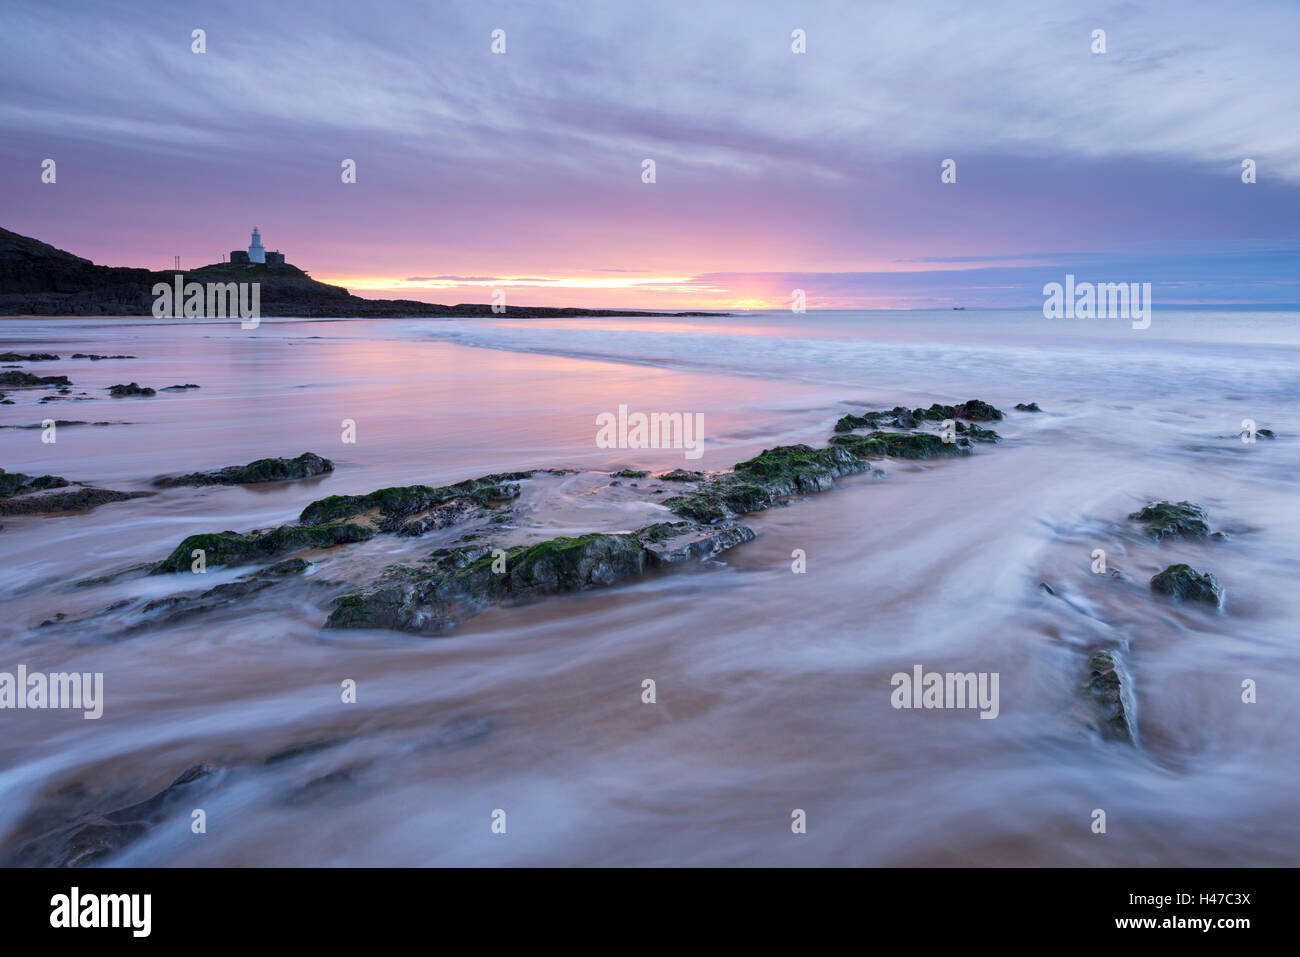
column 775, row 170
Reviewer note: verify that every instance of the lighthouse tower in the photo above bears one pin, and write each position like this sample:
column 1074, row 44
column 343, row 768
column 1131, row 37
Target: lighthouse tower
column 256, row 253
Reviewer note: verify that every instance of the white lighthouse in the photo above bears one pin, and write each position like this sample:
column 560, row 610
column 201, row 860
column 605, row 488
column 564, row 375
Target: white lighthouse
column 256, row 253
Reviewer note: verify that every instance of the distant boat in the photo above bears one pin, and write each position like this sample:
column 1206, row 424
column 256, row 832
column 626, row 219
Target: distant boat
column 958, row 308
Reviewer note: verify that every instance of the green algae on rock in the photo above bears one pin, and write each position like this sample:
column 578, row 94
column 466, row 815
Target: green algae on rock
column 233, row 548
column 1167, row 520
column 458, row 583
column 16, row 483
column 307, row 465
column 1184, row 583
column 400, row 502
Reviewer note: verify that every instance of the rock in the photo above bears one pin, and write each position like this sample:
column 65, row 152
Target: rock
column 1108, row 691
column 867, row 420
column 95, row 358
column 906, row 419
column 80, row 499
column 1165, row 520
column 399, row 503
column 901, row 445
column 675, row 543
column 976, row 410
column 307, row 465
column 680, row 475
column 1265, row 433
column 179, row 388
column 120, row 391
column 460, row 585
column 30, row 357
column 232, row 548
column 631, row 473
column 88, row 839
column 26, row 379
column 15, row 483
column 1184, row 583
column 1031, row 407
column 977, row 434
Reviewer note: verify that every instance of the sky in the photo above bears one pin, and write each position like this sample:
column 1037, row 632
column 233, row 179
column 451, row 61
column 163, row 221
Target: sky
column 774, row 170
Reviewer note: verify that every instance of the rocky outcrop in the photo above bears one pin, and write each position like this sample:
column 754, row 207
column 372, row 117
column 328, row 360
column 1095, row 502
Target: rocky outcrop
column 460, row 583
column 1166, row 520
column 24, row 380
column 1184, row 583
column 233, row 548
column 121, row 391
column 16, row 483
column 307, row 465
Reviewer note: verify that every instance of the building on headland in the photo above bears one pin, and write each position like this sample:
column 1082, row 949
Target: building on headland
column 256, row 253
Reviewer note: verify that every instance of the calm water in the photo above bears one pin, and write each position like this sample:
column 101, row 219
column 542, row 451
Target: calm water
column 773, row 687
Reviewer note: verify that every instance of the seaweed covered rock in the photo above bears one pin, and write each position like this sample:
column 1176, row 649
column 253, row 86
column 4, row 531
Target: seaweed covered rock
column 462, row 583
column 681, row 475
column 233, row 548
column 307, row 465
column 1167, row 520
column 1107, row 690
column 901, row 445
column 130, row 389
column 29, row 357
column 1027, row 407
column 400, row 502
column 16, row 483
column 757, row 483
column 1184, row 583
column 631, row 473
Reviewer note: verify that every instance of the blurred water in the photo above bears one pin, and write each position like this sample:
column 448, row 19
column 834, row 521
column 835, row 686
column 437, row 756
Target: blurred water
column 773, row 687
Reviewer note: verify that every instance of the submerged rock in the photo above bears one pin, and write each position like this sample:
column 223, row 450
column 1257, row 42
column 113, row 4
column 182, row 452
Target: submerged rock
column 1108, row 691
column 29, row 357
column 95, row 358
column 25, row 379
column 180, row 388
column 76, row 499
column 307, row 465
column 232, row 548
column 1166, row 520
column 86, row 840
column 1027, row 407
column 1184, row 583
column 120, row 391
